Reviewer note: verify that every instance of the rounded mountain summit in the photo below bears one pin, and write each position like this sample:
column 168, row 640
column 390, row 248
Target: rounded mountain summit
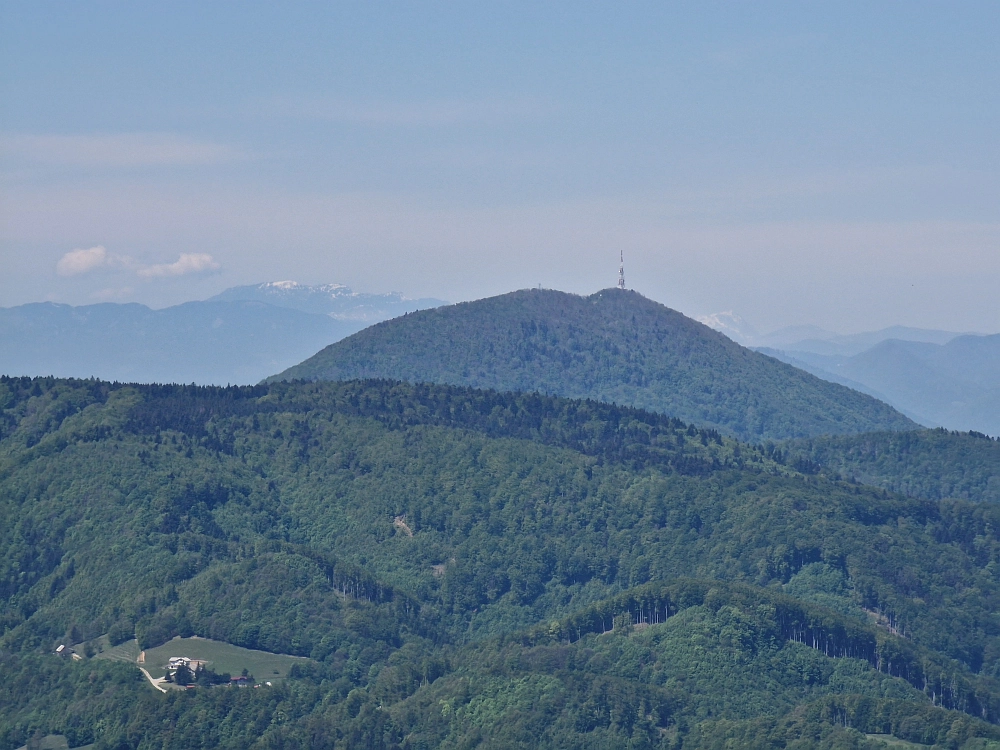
column 614, row 346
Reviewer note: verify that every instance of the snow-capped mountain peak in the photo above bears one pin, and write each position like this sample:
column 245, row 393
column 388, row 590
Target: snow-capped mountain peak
column 730, row 324
column 336, row 300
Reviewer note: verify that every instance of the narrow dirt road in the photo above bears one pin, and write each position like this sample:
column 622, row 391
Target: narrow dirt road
column 154, row 683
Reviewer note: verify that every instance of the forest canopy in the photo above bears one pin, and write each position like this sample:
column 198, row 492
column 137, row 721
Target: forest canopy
column 463, row 568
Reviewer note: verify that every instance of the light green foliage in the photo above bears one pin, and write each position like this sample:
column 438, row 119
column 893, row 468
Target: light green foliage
column 826, row 585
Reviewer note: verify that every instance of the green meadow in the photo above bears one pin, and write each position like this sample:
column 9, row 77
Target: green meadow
column 127, row 651
column 221, row 657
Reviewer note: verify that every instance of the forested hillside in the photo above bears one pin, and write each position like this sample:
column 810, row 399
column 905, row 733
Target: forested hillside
column 613, row 346
column 469, row 568
column 931, row 464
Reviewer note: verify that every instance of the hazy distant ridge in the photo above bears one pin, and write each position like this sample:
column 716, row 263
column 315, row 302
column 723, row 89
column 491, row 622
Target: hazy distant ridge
column 238, row 336
column 335, row 300
column 811, row 338
column 954, row 385
column 938, row 378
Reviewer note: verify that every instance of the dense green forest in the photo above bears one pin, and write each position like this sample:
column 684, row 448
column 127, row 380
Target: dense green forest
column 614, row 346
column 467, row 568
column 932, row 464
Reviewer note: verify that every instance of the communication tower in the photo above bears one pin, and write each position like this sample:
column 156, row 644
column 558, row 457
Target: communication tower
column 621, row 270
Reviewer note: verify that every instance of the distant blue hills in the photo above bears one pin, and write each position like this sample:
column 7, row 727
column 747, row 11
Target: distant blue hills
column 239, row 336
column 954, row 385
column 937, row 378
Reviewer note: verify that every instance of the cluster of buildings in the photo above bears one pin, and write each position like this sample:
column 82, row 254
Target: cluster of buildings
column 175, row 662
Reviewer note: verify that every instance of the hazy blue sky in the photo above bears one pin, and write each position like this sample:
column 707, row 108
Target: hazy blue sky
column 831, row 163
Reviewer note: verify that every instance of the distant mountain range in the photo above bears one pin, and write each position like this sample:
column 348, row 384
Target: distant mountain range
column 246, row 333
column 611, row 346
column 810, row 338
column 238, row 336
column 333, row 300
column 821, row 342
column 954, row 385
column 938, row 378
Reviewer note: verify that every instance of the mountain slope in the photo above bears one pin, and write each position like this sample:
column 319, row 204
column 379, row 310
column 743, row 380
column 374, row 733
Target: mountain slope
column 471, row 568
column 612, row 346
column 931, row 464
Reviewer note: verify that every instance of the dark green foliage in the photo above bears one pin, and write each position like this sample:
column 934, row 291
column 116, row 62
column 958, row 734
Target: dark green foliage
column 201, row 676
column 932, row 464
column 919, row 723
column 467, row 568
column 766, row 618
column 613, row 346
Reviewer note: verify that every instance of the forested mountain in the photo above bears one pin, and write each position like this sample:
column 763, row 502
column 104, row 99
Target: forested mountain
column 614, row 346
column 469, row 568
column 239, row 336
column 930, row 464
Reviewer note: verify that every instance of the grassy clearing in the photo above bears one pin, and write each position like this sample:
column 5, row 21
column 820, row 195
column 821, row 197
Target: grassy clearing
column 221, row 657
column 895, row 742
column 128, row 651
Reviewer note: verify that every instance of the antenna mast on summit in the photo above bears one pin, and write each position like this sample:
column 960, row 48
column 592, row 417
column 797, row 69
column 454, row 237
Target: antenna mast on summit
column 621, row 270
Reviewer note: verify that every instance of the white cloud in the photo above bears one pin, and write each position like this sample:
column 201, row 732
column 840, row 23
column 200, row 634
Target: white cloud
column 85, row 260
column 80, row 261
column 118, row 150
column 843, row 275
column 187, row 263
